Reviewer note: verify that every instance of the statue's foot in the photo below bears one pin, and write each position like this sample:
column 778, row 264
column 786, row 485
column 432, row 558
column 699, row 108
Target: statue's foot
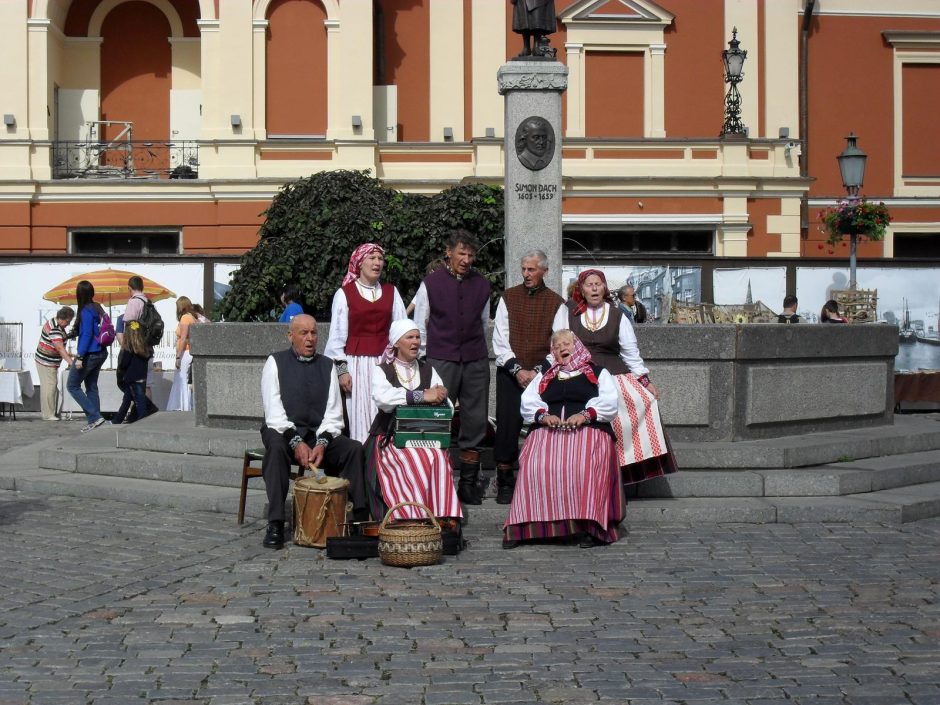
column 525, row 52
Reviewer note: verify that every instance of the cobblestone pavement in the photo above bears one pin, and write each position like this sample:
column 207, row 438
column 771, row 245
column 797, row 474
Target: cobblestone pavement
column 110, row 603
column 29, row 428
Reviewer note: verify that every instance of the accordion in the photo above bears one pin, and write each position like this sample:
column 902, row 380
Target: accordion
column 423, row 426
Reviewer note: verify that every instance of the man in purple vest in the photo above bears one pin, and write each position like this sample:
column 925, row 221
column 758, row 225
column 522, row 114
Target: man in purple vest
column 452, row 310
column 521, row 340
column 303, row 423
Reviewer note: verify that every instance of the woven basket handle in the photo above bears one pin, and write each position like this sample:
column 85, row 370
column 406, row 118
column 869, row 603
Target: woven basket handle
column 430, row 514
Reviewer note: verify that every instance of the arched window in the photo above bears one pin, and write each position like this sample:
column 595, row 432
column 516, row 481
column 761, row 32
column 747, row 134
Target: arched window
column 136, row 70
column 296, row 69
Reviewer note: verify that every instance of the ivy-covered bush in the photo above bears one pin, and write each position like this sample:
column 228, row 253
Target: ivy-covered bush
column 313, row 225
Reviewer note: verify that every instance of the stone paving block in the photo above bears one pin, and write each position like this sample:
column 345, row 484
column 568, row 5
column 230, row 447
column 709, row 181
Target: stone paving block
column 675, row 612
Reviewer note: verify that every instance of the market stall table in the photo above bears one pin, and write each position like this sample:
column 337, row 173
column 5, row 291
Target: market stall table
column 14, row 385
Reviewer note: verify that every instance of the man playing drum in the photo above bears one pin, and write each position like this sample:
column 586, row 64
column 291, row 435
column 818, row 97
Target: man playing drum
column 303, row 423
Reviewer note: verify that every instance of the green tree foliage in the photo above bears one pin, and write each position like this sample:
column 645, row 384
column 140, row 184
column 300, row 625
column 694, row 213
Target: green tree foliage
column 314, row 224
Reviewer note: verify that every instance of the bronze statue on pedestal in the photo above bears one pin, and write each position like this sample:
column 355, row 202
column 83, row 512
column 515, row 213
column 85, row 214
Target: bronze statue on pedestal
column 534, row 20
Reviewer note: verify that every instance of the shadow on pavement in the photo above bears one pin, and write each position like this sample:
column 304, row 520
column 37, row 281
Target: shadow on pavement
column 12, row 510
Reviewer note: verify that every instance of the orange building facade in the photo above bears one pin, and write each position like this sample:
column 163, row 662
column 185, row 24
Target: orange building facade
column 162, row 128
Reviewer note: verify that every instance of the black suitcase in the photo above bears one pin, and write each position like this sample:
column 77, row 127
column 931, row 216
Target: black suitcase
column 345, row 547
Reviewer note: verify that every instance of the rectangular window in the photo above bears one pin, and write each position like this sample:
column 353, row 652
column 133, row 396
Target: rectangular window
column 614, row 93
column 921, row 136
column 586, row 242
column 916, row 245
column 124, row 242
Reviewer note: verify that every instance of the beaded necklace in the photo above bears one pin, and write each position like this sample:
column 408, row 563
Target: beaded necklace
column 411, row 367
column 592, row 323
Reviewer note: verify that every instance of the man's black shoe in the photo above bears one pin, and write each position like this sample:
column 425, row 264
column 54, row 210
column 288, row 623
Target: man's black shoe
column 274, row 536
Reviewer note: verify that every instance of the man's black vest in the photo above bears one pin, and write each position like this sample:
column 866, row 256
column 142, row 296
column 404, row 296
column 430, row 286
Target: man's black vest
column 305, row 389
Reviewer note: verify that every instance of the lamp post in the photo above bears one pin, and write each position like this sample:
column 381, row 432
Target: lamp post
column 733, row 58
column 852, row 166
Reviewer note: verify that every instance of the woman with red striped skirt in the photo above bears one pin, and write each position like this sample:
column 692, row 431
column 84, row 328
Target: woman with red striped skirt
column 393, row 474
column 641, row 445
column 569, row 481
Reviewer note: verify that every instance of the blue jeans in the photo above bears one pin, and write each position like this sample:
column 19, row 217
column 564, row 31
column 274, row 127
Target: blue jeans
column 134, row 392
column 87, row 375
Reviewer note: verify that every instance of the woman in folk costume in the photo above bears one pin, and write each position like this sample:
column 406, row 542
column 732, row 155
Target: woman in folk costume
column 569, row 481
column 394, row 474
column 363, row 310
column 643, row 450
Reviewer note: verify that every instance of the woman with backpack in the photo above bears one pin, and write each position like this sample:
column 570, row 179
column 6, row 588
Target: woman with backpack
column 90, row 355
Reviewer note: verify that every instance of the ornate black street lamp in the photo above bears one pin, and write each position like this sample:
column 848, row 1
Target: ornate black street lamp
column 733, row 58
column 852, row 165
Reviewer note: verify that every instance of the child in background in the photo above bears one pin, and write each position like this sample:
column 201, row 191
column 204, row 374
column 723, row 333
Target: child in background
column 134, row 372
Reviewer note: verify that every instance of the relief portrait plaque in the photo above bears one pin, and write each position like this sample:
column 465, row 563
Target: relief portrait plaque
column 535, row 143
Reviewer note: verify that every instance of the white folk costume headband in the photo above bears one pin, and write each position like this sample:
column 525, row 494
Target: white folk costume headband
column 395, row 333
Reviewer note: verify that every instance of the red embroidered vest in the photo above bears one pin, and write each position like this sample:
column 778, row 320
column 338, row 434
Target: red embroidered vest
column 369, row 321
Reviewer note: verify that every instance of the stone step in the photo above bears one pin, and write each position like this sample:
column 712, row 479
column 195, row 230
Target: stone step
column 867, row 475
column 172, row 495
column 176, row 432
column 861, row 476
column 147, row 465
column 908, row 434
column 890, row 506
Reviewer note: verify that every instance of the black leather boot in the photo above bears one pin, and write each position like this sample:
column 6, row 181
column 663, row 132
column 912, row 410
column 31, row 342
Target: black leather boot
column 468, row 488
column 505, row 483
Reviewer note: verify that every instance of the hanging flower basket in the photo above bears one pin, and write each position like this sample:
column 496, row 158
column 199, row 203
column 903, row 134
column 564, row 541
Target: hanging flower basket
column 859, row 217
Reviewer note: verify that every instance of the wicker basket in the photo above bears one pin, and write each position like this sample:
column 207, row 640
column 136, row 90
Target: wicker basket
column 410, row 543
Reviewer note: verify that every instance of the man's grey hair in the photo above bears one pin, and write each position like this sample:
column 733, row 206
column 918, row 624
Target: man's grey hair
column 535, row 254
column 622, row 291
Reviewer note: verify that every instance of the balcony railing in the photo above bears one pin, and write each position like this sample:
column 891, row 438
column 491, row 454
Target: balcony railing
column 125, row 160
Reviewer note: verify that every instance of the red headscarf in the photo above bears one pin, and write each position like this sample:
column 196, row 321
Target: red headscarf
column 578, row 361
column 578, row 295
column 355, row 260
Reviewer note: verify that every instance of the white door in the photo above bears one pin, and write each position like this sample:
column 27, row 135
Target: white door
column 185, row 124
column 76, row 110
column 385, row 107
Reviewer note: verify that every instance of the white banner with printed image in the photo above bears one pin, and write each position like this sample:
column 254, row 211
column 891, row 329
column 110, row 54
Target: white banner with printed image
column 22, row 287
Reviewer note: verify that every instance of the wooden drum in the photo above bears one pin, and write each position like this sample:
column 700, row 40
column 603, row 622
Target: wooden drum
column 319, row 510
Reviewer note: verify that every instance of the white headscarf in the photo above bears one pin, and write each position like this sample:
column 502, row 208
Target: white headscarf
column 395, row 332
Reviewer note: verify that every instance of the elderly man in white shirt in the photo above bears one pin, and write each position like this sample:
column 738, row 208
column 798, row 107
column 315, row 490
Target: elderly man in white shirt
column 303, row 423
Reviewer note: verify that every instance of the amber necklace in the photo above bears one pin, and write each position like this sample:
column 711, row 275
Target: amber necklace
column 372, row 289
column 593, row 322
column 411, row 367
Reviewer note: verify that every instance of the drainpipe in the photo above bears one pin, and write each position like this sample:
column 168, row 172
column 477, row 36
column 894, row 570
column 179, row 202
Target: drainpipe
column 804, row 110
